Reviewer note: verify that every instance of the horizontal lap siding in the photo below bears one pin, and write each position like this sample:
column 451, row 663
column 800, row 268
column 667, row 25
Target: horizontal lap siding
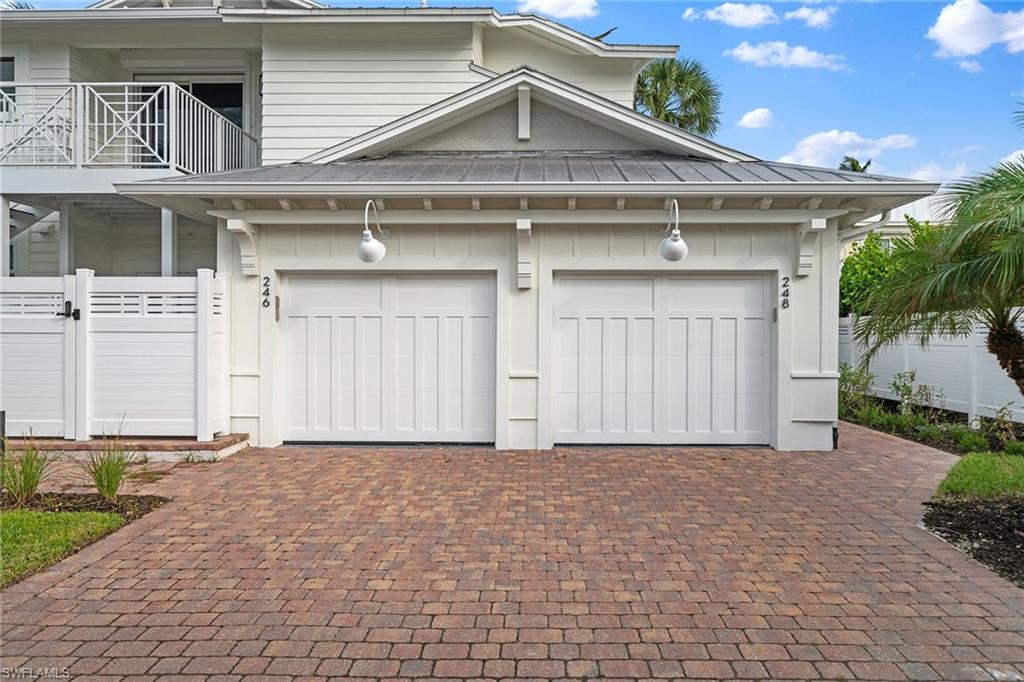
column 325, row 84
column 505, row 50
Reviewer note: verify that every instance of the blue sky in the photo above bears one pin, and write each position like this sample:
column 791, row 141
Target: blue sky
column 925, row 89
column 871, row 81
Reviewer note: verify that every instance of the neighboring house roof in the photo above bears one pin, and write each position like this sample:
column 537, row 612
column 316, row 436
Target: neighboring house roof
column 259, row 4
column 575, row 172
column 489, row 94
column 545, row 30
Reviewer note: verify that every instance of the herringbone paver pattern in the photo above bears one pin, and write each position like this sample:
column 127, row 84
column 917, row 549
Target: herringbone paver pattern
column 460, row 563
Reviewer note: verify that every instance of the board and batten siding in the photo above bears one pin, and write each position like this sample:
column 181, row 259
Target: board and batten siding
column 803, row 350
column 325, row 84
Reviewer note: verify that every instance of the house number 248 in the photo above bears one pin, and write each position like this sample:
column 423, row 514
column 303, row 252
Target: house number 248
column 265, row 291
column 785, row 293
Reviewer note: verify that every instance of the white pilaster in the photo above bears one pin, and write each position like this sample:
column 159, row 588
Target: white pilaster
column 83, row 353
column 168, row 243
column 204, row 324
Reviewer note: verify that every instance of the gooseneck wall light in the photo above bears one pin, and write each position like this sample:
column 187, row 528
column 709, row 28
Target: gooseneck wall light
column 672, row 246
column 371, row 249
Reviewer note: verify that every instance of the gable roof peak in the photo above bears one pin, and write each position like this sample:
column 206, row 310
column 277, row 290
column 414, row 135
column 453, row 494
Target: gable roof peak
column 548, row 89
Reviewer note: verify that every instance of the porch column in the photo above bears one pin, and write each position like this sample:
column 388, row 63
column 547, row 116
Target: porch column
column 5, row 236
column 168, row 243
column 65, row 242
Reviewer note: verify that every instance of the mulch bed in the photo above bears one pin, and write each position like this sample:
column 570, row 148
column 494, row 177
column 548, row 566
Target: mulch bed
column 990, row 531
column 131, row 507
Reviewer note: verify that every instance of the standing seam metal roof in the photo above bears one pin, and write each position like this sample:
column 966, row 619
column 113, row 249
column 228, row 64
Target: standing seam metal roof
column 536, row 167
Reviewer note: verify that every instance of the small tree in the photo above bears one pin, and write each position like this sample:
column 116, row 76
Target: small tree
column 863, row 270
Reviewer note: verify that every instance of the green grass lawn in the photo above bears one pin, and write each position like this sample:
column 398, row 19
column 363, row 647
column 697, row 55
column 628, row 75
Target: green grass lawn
column 32, row 540
column 984, row 475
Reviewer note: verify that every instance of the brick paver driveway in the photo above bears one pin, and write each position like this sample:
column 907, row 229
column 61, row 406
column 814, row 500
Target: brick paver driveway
column 598, row 563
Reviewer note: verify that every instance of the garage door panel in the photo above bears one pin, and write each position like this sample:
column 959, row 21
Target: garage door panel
column 412, row 361
column 690, row 370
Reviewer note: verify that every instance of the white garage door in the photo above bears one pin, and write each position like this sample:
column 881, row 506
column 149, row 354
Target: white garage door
column 397, row 358
column 661, row 360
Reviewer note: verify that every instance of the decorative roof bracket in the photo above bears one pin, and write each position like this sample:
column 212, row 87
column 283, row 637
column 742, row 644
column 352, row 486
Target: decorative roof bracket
column 245, row 233
column 807, row 237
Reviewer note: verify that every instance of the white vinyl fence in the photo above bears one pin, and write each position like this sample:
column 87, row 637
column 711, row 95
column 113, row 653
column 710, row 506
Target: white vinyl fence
column 84, row 356
column 968, row 375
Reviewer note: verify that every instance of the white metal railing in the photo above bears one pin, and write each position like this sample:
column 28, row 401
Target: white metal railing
column 125, row 125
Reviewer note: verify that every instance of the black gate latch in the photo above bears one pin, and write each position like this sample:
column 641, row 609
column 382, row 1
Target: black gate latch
column 75, row 314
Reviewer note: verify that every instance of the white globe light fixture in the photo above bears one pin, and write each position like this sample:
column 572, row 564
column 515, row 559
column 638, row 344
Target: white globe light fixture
column 672, row 246
column 371, row 249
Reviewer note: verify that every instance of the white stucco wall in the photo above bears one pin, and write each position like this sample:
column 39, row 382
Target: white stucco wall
column 804, row 338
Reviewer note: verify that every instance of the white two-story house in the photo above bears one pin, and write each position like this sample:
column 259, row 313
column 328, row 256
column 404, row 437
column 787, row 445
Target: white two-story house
column 396, row 225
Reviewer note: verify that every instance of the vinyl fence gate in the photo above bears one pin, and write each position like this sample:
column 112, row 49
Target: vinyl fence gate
column 84, row 356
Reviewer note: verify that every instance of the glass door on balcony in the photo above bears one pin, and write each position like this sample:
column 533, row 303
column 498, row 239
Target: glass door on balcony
column 226, row 98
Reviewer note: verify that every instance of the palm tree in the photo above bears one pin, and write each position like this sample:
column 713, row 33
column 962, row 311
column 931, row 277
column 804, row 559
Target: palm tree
column 679, row 92
column 853, row 164
column 944, row 280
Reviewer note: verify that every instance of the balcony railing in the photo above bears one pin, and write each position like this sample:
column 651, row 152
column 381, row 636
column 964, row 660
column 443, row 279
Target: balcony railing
column 118, row 125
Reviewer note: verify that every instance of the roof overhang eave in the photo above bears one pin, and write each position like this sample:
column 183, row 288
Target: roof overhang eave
column 563, row 35
column 75, row 16
column 903, row 190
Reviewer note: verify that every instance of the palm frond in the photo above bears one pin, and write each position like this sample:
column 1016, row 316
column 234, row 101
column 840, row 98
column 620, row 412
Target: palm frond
column 679, row 92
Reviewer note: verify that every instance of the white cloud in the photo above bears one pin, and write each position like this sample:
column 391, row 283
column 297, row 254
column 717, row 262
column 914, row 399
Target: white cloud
column 933, row 172
column 828, row 148
column 814, row 17
column 561, row 9
column 754, row 15
column 967, row 27
column 762, row 117
column 966, row 149
column 970, row 65
column 780, row 53
column 1016, row 156
column 736, row 14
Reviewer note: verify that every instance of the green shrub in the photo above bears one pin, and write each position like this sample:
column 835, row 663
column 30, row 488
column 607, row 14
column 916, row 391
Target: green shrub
column 919, row 398
column 969, row 441
column 869, row 415
column 1000, row 428
column 22, row 472
column 1014, row 447
column 932, row 433
column 108, row 468
column 854, row 386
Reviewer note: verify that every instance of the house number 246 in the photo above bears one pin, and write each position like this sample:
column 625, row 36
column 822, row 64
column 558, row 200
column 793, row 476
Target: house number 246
column 785, row 293
column 265, row 291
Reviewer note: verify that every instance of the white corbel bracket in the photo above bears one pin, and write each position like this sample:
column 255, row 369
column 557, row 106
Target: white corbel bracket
column 245, row 233
column 807, row 237
column 524, row 258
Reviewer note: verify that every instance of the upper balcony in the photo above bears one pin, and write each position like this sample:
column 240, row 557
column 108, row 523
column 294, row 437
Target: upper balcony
column 134, row 129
